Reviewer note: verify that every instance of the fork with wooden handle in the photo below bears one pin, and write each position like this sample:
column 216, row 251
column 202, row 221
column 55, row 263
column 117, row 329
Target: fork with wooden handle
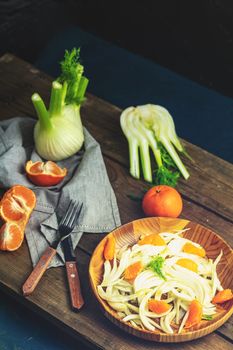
column 66, row 226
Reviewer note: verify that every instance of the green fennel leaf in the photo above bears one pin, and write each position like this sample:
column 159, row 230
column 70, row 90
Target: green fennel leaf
column 69, row 65
column 72, row 74
column 207, row 317
column 157, row 265
column 166, row 158
column 167, row 173
column 164, row 176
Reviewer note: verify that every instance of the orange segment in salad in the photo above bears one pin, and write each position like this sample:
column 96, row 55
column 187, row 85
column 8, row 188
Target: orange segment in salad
column 153, row 239
column 192, row 249
column 222, row 296
column 158, row 306
column 188, row 264
column 195, row 314
column 109, row 249
column 132, row 271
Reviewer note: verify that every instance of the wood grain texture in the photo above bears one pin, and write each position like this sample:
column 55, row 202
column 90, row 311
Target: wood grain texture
column 215, row 194
column 35, row 276
column 76, row 297
column 124, row 185
column 129, row 234
column 51, row 298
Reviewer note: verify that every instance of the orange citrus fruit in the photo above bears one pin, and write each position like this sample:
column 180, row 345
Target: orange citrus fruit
column 158, row 306
column 188, row 264
column 195, row 314
column 132, row 271
column 11, row 236
column 11, row 210
column 15, row 208
column 109, row 248
column 222, row 296
column 163, row 201
column 153, row 239
column 192, row 249
column 45, row 174
column 17, row 203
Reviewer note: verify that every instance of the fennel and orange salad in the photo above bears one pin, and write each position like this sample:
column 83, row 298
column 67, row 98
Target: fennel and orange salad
column 164, row 282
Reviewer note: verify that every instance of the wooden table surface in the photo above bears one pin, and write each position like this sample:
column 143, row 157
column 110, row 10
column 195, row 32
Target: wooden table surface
column 207, row 199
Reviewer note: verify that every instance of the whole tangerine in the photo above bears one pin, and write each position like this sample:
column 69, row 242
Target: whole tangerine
column 163, row 201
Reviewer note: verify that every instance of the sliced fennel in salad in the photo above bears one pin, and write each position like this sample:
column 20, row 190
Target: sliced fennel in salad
column 171, row 289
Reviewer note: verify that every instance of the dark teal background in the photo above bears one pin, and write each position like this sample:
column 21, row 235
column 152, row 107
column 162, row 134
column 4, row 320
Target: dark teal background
column 202, row 116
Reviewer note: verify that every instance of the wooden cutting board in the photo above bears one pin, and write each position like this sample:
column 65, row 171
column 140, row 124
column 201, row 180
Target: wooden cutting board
column 207, row 198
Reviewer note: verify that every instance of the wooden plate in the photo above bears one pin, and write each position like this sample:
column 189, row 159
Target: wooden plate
column 129, row 234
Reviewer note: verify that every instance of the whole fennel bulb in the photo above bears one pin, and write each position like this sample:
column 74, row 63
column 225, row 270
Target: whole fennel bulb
column 150, row 129
column 58, row 134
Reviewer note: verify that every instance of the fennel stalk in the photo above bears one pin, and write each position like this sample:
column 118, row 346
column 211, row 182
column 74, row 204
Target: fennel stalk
column 58, row 134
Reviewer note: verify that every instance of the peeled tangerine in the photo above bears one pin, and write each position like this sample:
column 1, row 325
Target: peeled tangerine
column 222, row 296
column 132, row 271
column 109, row 248
column 45, row 174
column 15, row 209
column 187, row 264
column 11, row 236
column 158, row 306
column 195, row 314
column 153, row 239
column 192, row 249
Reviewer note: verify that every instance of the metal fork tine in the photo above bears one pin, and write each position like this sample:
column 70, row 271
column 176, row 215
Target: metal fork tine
column 69, row 216
column 70, row 219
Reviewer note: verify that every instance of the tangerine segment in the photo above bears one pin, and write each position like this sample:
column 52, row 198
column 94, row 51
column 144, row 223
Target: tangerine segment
column 153, row 239
column 11, row 210
column 222, row 296
column 45, row 174
column 195, row 314
column 48, row 167
column 17, row 203
column 192, row 249
column 133, row 270
column 11, row 236
column 109, row 249
column 187, row 264
column 25, row 196
column 158, row 306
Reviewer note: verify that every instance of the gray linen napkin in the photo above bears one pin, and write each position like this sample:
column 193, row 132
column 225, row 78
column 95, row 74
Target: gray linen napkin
column 87, row 181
